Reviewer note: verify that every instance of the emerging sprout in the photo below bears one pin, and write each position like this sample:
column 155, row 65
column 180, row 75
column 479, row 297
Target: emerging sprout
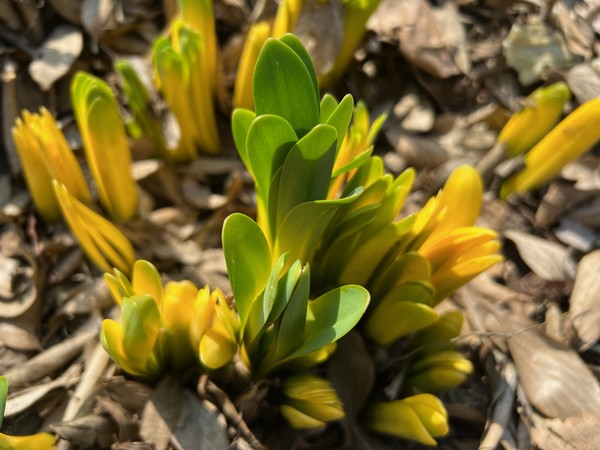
column 45, row 155
column 183, row 69
column 105, row 144
column 102, row 242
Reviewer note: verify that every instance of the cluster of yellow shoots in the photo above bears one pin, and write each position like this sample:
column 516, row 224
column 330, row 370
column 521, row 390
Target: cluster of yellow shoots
column 171, row 327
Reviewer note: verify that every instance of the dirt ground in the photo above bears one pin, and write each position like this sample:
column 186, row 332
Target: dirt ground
column 449, row 74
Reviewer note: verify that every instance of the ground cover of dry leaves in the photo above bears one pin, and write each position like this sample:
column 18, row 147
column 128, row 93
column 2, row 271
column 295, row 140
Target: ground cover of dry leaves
column 440, row 69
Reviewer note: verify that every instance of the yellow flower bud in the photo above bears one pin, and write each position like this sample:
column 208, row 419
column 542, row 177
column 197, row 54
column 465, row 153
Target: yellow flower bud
column 438, row 372
column 574, row 135
column 542, row 110
column 214, row 329
column 310, row 401
column 420, row 418
column 40, row 441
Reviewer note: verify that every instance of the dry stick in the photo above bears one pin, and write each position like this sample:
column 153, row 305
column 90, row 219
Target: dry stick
column 49, row 361
column 490, row 160
column 226, row 406
column 85, row 388
column 502, row 404
column 94, row 368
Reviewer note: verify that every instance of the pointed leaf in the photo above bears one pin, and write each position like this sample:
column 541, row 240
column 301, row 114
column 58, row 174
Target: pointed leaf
column 293, row 322
column 328, row 105
column 261, row 309
column 340, row 118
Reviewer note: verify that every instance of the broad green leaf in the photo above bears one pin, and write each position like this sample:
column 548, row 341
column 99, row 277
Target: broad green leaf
column 340, row 118
column 241, row 119
column 248, row 261
column 269, row 141
column 294, row 43
column 261, row 309
column 293, row 322
column 354, row 163
column 328, row 105
column 391, row 321
column 3, row 394
column 306, row 170
column 331, row 316
column 283, row 86
column 303, row 228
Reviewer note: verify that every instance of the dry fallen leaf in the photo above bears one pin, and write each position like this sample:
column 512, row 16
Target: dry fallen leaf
column 584, row 82
column 584, row 305
column 177, row 415
column 95, row 15
column 418, row 151
column 532, row 49
column 56, row 56
column 572, row 433
column 546, row 259
column 404, row 22
column 320, row 27
column 554, row 378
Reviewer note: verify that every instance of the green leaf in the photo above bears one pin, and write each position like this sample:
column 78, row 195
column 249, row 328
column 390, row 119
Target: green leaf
column 328, row 105
column 331, row 316
column 248, row 260
column 283, row 86
column 293, row 322
column 340, row 118
column 294, row 43
column 354, row 163
column 303, row 228
column 306, row 170
column 286, row 287
column 241, row 119
column 269, row 141
column 3, row 394
column 261, row 309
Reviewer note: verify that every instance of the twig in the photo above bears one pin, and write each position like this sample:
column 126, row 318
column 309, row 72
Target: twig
column 207, row 388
